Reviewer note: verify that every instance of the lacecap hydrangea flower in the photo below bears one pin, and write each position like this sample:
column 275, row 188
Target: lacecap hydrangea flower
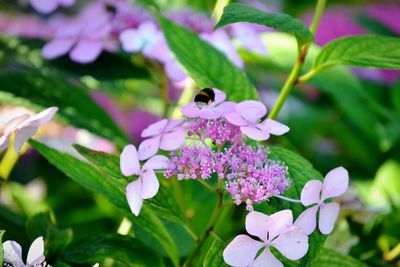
column 13, row 254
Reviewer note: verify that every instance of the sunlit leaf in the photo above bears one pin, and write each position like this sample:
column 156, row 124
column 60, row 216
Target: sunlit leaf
column 214, row 256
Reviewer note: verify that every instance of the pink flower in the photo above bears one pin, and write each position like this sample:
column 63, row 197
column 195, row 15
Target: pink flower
column 165, row 134
column 13, row 254
column 83, row 39
column 248, row 115
column 215, row 110
column 275, row 231
column 48, row 6
column 316, row 192
column 24, row 127
column 146, row 186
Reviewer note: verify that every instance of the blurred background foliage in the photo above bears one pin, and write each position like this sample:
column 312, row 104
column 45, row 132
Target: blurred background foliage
column 342, row 117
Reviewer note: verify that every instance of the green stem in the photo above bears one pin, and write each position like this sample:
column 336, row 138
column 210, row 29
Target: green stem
column 294, row 74
column 219, row 8
column 164, row 92
column 210, row 226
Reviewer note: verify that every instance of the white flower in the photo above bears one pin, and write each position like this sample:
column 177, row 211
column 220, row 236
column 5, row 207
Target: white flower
column 13, row 254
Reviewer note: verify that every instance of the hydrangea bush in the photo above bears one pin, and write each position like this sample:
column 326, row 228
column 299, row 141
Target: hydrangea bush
column 214, row 178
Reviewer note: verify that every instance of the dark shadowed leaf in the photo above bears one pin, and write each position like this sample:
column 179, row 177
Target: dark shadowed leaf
column 1, row 247
column 331, row 258
column 234, row 13
column 123, row 249
column 205, row 64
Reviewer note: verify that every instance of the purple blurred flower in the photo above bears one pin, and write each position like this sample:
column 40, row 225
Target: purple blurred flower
column 195, row 21
column 276, row 231
column 48, row 6
column 146, row 186
column 387, row 14
column 248, row 114
column 316, row 192
column 248, row 36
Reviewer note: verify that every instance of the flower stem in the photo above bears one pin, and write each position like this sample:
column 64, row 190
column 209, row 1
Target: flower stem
column 206, row 185
column 164, row 92
column 287, row 199
column 294, row 74
column 210, row 226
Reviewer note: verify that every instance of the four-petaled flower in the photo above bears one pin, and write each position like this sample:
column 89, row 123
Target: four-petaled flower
column 214, row 110
column 48, row 6
column 146, row 186
column 316, row 192
column 24, row 127
column 13, row 253
column 276, row 230
column 248, row 114
column 165, row 134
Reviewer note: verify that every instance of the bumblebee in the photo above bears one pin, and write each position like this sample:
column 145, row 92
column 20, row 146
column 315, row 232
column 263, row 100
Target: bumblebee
column 206, row 96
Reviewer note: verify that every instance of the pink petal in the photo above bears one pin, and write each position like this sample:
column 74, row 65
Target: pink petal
column 13, row 124
column 251, row 110
column 208, row 113
column 150, row 184
column 282, row 220
column 41, row 118
column 86, row 50
column 293, row 244
column 4, row 142
column 273, row 127
column 311, row 192
column 22, row 135
column 134, row 196
column 190, row 110
column 258, row 224
column 131, row 40
column 328, row 214
column 335, row 183
column 149, row 148
column 220, row 96
column 156, row 163
column 307, row 220
column 225, row 108
column 155, row 128
column 13, row 253
column 236, row 119
column 173, row 140
column 174, row 71
column 58, row 47
column 266, row 258
column 44, row 6
column 241, row 251
column 254, row 133
column 129, row 161
column 172, row 124
column 36, row 252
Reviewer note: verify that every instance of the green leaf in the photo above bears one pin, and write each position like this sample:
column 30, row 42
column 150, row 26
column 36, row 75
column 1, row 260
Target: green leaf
column 214, row 256
column 94, row 180
column 56, row 239
column 363, row 51
column 75, row 105
column 163, row 204
column 123, row 249
column 331, row 258
column 282, row 22
column 1, row 247
column 205, row 64
column 300, row 171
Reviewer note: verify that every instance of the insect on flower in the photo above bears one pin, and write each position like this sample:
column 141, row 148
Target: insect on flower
column 205, row 96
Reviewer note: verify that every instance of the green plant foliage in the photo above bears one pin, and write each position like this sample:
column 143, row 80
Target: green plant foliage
column 331, row 258
column 300, row 171
column 123, row 249
column 214, row 256
column 89, row 177
column 75, row 105
column 1, row 247
column 205, row 64
column 366, row 51
column 234, row 13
